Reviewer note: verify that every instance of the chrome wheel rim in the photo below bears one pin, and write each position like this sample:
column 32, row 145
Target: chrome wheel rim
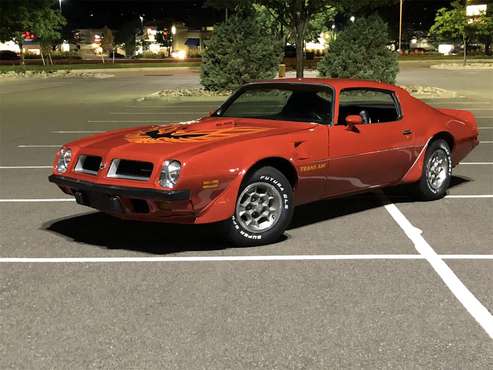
column 259, row 207
column 437, row 169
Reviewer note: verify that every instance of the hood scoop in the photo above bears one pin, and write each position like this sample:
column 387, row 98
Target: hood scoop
column 228, row 123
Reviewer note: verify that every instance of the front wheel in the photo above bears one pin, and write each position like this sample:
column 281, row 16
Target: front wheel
column 437, row 172
column 264, row 209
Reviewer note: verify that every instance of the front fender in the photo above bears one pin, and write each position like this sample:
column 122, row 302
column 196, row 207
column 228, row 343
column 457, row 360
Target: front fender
column 223, row 206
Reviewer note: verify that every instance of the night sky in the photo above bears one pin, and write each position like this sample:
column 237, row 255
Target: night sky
column 418, row 14
column 113, row 13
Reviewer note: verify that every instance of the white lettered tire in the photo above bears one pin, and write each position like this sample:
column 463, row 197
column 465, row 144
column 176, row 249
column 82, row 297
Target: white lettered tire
column 437, row 171
column 263, row 209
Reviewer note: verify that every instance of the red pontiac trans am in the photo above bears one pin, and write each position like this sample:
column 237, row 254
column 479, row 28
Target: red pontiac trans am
column 271, row 146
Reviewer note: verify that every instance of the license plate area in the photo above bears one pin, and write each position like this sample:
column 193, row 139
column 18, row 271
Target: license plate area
column 101, row 201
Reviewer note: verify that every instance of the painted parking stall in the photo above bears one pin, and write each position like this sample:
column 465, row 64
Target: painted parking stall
column 349, row 271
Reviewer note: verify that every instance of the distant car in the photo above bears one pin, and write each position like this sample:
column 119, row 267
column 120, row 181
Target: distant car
column 8, row 55
column 271, row 146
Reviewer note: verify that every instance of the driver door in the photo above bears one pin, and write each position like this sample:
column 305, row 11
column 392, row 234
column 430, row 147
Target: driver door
column 376, row 151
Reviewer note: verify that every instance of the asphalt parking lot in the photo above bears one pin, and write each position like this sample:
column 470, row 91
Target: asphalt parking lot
column 370, row 281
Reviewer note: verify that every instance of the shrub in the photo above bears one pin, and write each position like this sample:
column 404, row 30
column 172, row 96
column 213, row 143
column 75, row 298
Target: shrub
column 360, row 51
column 65, row 55
column 239, row 51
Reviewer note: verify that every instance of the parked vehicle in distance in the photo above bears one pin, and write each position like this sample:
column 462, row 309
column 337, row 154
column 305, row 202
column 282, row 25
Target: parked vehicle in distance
column 8, row 55
column 271, row 146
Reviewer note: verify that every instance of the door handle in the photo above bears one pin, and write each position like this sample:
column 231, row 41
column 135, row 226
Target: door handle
column 407, row 132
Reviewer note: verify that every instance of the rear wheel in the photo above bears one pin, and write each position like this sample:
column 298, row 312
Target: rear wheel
column 437, row 171
column 264, row 209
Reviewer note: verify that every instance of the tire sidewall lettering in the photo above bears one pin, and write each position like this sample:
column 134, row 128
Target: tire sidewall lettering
column 286, row 205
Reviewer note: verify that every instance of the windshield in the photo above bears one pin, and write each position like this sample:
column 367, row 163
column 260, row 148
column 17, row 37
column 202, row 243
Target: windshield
column 288, row 102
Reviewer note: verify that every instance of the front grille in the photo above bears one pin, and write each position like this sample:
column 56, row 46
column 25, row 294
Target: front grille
column 132, row 170
column 88, row 164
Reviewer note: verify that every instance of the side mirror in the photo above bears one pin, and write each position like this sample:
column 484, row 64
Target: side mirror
column 352, row 120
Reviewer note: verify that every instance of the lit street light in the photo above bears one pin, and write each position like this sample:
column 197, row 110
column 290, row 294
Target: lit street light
column 352, row 18
column 400, row 27
column 60, row 5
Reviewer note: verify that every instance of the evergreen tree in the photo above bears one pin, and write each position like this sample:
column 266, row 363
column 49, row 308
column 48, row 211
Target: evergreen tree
column 239, row 51
column 360, row 51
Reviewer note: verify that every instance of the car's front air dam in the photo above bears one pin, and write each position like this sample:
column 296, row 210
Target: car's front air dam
column 130, row 203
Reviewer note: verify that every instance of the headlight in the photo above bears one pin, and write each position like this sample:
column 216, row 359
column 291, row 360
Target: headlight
column 170, row 173
column 64, row 158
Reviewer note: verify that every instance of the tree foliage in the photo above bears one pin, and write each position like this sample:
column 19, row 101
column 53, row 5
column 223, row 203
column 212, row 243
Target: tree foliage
column 240, row 50
column 126, row 37
column 37, row 16
column 46, row 26
column 453, row 25
column 107, row 42
column 360, row 51
column 300, row 17
column 298, row 21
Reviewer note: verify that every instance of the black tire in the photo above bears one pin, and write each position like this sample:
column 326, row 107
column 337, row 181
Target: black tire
column 235, row 229
column 425, row 190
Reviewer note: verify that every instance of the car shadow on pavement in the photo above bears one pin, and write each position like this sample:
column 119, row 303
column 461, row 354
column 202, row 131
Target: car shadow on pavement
column 99, row 229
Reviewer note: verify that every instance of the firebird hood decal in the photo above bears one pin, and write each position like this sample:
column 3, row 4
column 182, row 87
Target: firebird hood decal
column 179, row 133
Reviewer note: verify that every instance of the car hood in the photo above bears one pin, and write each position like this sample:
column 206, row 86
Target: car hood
column 177, row 138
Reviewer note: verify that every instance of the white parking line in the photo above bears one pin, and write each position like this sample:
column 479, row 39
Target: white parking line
column 486, row 128
column 128, row 121
column 155, row 113
column 23, row 167
column 59, row 145
column 39, row 146
column 76, row 132
column 447, row 101
column 477, row 163
column 466, row 256
column 54, row 200
column 314, row 257
column 483, row 117
column 43, row 167
column 469, row 196
column 36, row 200
column 199, row 105
column 468, row 300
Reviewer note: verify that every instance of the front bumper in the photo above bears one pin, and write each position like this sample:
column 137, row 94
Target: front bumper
column 137, row 203
column 122, row 191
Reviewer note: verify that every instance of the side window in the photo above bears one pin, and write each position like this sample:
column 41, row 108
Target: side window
column 374, row 106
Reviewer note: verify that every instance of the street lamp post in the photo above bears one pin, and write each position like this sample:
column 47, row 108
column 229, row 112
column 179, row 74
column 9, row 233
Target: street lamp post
column 60, row 5
column 400, row 26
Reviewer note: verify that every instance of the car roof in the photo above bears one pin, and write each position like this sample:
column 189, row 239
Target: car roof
column 337, row 83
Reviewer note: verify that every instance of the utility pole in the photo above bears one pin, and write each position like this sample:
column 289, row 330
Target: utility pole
column 400, row 26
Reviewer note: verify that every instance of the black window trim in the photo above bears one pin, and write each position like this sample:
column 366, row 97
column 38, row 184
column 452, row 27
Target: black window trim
column 391, row 92
column 251, row 85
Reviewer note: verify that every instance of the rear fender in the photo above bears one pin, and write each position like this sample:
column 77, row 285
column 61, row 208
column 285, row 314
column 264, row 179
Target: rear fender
column 462, row 115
